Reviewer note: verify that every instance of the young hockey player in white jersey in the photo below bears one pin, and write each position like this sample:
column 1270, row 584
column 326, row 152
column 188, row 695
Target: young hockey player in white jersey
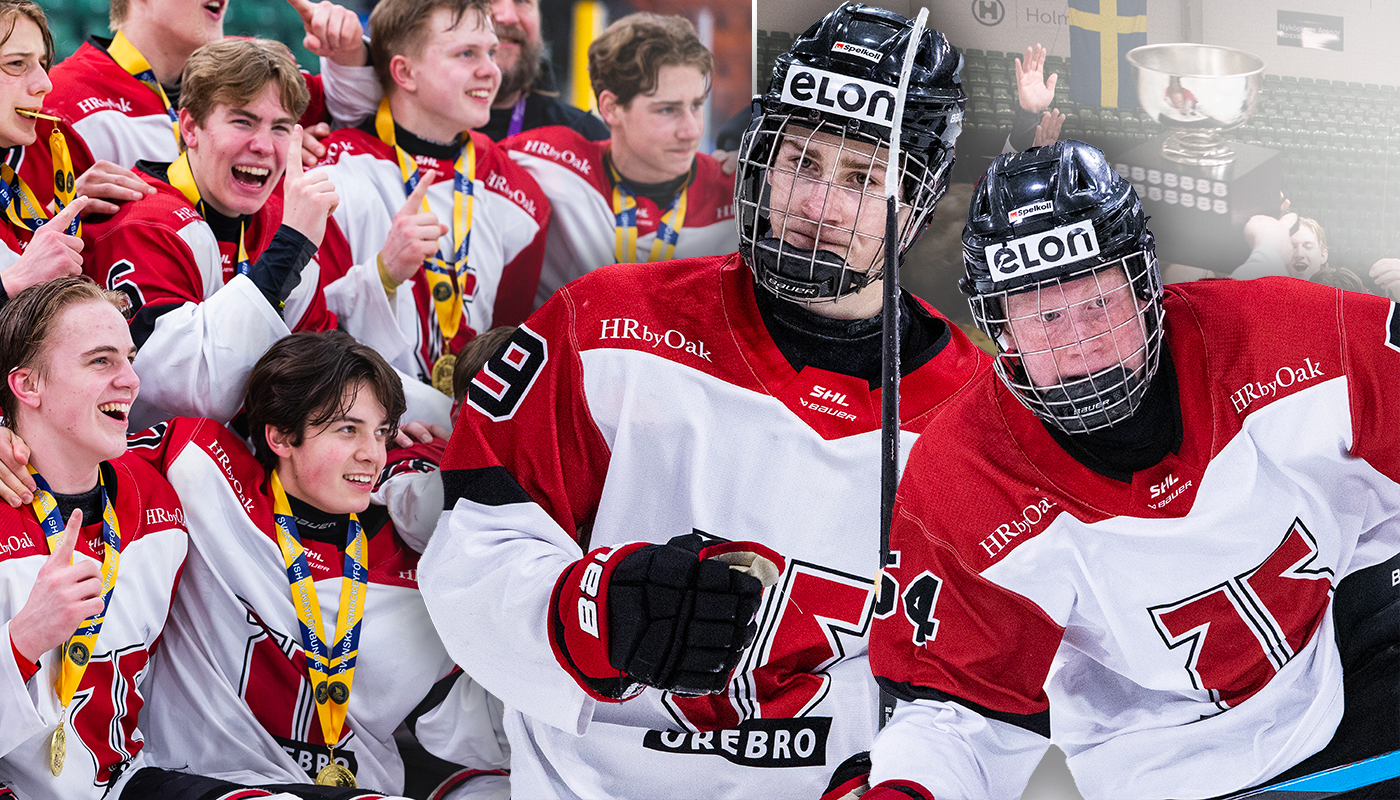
column 732, row 395
column 217, row 266
column 72, row 688
column 1194, row 516
column 646, row 194
column 434, row 267
column 286, row 688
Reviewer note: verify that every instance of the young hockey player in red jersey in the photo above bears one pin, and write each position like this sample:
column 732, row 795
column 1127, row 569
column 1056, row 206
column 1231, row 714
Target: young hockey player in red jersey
column 216, row 265
column 298, row 638
column 730, row 395
column 433, row 272
column 1193, row 518
column 86, row 570
column 645, row 195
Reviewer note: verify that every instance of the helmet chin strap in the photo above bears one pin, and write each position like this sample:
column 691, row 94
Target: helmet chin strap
column 796, row 273
column 1092, row 401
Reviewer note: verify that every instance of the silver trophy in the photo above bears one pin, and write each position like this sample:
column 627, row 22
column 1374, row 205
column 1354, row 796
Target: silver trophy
column 1197, row 92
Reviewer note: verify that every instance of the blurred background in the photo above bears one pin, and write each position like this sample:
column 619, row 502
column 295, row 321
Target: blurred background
column 1324, row 132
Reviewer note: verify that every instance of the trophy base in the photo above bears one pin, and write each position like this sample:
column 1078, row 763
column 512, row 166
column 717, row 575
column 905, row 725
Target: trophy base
column 1208, row 149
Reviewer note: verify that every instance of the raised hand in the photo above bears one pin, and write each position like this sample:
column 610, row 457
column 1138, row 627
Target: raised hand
column 1047, row 131
column 1033, row 90
column 413, row 237
column 332, row 31
column 64, row 595
column 50, row 254
column 308, row 198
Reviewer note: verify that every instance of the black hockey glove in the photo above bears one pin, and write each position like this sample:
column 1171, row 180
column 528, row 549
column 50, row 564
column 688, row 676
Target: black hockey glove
column 676, row 616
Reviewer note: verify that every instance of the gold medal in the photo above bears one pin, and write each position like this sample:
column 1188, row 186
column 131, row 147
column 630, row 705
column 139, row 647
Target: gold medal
column 335, row 775
column 442, row 373
column 58, row 745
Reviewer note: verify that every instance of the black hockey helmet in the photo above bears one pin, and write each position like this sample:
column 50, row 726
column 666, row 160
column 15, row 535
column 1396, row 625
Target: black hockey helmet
column 839, row 78
column 1039, row 221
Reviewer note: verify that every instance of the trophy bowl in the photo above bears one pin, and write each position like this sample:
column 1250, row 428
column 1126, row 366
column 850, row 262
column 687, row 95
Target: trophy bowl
column 1197, row 92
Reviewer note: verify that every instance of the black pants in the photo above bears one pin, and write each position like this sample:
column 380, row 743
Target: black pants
column 153, row 783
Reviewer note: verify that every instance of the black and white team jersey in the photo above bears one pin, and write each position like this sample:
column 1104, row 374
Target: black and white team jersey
column 582, row 235
column 104, row 745
column 1172, row 634
column 232, row 657
column 619, row 413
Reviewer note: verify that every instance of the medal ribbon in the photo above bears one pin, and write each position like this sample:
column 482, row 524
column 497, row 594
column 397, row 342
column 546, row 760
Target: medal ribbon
column 330, row 668
column 624, row 206
column 135, row 64
column 445, row 280
column 182, row 178
column 78, row 650
column 22, row 206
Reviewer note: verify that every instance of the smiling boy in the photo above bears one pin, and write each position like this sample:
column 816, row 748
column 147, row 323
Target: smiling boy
column 101, row 517
column 215, row 265
column 646, row 194
column 461, row 254
column 238, row 654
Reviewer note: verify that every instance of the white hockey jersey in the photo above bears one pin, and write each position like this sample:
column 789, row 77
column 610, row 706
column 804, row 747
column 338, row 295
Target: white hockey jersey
column 510, row 217
column 1187, row 613
column 571, row 171
column 104, row 745
column 619, row 414
column 232, row 656
column 200, row 326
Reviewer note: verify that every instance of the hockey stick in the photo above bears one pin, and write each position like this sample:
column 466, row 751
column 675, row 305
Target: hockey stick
column 1330, row 782
column 889, row 313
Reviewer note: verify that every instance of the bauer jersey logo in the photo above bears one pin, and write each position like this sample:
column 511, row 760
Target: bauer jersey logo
column 856, row 50
column 1039, row 252
column 839, row 94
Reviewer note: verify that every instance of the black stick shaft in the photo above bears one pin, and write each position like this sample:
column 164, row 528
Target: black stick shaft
column 889, row 407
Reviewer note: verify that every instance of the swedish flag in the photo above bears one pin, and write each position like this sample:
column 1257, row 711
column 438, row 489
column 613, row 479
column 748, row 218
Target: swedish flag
column 1101, row 32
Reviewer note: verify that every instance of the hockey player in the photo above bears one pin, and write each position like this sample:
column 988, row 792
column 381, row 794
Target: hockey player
column 216, row 266
column 37, row 240
column 528, row 98
column 732, row 395
column 1160, row 495
column 123, row 94
column 286, row 694
column 646, row 194
column 73, row 684
column 462, row 254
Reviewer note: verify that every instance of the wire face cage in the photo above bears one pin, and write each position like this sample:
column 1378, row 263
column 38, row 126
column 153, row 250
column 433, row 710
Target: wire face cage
column 811, row 208
column 1079, row 350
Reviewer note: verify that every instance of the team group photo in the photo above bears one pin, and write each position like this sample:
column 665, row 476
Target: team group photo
column 575, row 399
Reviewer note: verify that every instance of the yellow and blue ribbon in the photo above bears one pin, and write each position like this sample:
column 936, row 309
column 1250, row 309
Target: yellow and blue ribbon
column 135, row 64
column 447, row 280
column 331, row 668
column 624, row 206
column 79, row 648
